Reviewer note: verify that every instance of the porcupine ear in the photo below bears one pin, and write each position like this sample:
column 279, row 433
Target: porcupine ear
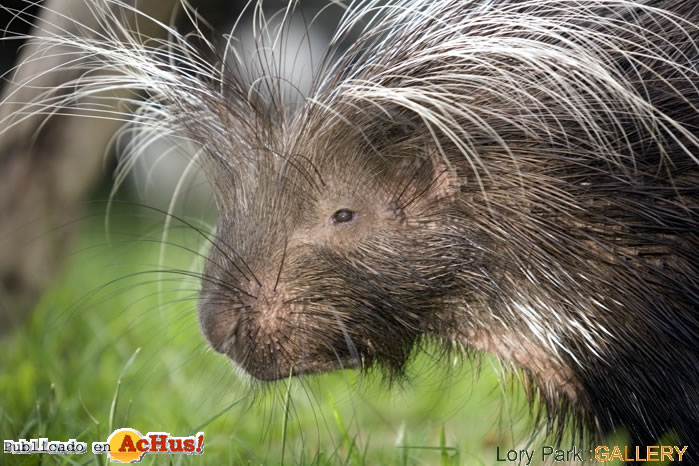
column 392, row 134
column 446, row 180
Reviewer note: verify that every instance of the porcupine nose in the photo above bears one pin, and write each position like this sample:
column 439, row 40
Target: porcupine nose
column 222, row 305
column 217, row 323
column 231, row 313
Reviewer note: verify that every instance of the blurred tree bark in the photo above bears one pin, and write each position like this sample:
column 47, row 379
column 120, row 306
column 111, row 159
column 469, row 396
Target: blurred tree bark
column 47, row 165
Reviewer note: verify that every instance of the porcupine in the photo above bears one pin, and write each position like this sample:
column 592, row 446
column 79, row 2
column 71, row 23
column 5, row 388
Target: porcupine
column 512, row 177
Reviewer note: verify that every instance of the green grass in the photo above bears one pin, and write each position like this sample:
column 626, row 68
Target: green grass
column 112, row 345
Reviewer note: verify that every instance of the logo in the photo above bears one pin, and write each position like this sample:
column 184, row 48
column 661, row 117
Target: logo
column 128, row 445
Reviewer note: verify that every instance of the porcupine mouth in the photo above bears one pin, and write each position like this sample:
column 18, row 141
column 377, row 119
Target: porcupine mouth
column 270, row 370
column 311, row 368
column 274, row 372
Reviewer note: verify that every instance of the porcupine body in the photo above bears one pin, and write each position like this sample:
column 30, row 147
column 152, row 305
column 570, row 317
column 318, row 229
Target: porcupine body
column 518, row 177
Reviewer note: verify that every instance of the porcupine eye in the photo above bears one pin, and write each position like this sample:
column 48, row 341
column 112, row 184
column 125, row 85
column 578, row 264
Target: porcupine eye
column 343, row 216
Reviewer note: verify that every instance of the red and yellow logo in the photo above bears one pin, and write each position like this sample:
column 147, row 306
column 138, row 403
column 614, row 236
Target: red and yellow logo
column 128, row 445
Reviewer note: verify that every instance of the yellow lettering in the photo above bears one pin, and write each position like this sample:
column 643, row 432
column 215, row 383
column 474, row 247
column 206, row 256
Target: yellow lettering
column 666, row 452
column 616, row 453
column 652, row 453
column 602, row 453
column 680, row 452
